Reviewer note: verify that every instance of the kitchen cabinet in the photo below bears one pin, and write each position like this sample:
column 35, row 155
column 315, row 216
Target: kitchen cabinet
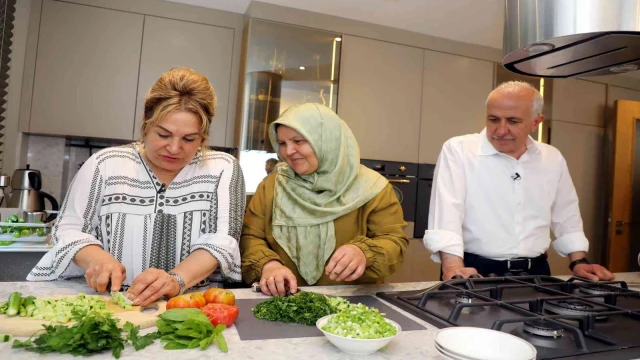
column 581, row 146
column 380, row 96
column 86, row 71
column 579, row 101
column 454, row 93
column 204, row 48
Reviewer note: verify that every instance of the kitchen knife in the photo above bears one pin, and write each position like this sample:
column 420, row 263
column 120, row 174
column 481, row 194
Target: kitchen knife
column 256, row 288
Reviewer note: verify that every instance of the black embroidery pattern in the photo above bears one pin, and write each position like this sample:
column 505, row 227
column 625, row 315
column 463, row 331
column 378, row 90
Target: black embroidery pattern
column 237, row 199
column 118, row 239
column 64, row 255
column 186, row 235
column 129, row 181
column 204, row 226
column 188, row 198
column 109, row 230
column 123, row 198
column 145, row 241
column 200, row 179
column 213, row 210
column 218, row 253
column 163, row 242
column 94, row 197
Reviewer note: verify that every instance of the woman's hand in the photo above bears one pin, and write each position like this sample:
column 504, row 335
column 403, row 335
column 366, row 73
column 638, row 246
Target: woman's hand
column 151, row 285
column 100, row 272
column 276, row 278
column 347, row 264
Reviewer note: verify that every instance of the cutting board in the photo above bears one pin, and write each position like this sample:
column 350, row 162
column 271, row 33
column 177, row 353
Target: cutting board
column 26, row 326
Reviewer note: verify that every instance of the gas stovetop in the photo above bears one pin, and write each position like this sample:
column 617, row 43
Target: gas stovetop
column 562, row 319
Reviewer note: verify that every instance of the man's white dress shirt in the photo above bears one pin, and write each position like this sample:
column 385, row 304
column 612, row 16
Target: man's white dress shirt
column 490, row 204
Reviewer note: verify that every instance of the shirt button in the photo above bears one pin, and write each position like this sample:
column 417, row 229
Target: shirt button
column 160, row 204
column 161, row 197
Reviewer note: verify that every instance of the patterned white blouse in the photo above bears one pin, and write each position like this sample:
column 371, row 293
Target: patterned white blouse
column 116, row 202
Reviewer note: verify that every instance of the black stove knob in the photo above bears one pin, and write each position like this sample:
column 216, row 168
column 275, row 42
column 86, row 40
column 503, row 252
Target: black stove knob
column 524, row 274
column 492, row 275
column 457, row 277
column 475, row 276
column 508, row 274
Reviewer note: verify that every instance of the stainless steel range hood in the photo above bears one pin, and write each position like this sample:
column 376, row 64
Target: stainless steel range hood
column 568, row 38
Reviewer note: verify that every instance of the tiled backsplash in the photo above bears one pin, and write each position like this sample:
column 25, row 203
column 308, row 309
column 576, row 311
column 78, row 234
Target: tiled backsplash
column 58, row 161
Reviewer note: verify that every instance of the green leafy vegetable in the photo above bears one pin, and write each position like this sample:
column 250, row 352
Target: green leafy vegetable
column 303, row 308
column 94, row 331
column 360, row 322
column 139, row 342
column 121, row 300
column 188, row 329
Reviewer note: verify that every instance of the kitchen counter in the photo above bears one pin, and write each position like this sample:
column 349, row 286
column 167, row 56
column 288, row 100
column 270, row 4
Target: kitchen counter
column 408, row 345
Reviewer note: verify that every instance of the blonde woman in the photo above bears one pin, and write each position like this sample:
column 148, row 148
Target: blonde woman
column 161, row 214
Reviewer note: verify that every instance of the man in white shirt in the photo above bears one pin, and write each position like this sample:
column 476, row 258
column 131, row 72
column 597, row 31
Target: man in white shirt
column 496, row 195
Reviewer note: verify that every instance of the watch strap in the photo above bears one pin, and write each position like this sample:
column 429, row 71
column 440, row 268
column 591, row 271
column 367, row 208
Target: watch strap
column 579, row 261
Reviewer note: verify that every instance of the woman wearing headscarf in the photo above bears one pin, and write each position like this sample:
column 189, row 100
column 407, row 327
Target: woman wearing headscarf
column 321, row 218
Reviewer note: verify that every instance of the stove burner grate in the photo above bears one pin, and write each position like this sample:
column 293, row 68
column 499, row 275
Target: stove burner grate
column 543, row 328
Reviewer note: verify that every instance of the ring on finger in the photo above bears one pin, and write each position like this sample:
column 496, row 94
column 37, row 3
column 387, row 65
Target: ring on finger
column 271, row 278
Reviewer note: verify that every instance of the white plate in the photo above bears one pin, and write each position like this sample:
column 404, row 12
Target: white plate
column 447, row 354
column 483, row 344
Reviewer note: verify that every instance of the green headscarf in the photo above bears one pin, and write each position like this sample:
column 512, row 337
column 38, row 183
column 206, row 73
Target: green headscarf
column 305, row 206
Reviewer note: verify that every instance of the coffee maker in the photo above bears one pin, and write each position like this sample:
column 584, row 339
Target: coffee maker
column 25, row 192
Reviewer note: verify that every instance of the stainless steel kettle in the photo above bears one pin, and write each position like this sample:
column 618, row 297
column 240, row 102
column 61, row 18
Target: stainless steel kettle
column 26, row 194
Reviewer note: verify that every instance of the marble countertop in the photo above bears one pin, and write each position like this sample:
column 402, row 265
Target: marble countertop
column 408, row 345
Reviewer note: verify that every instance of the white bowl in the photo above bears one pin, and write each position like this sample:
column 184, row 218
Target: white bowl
column 483, row 344
column 356, row 346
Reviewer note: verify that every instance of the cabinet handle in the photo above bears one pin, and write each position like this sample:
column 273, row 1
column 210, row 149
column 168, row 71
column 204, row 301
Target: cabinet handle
column 403, row 181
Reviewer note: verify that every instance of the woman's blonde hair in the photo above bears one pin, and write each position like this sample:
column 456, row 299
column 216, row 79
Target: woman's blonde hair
column 180, row 89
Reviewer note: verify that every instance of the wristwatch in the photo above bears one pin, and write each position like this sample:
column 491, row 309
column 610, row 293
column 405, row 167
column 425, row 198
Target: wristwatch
column 180, row 281
column 579, row 261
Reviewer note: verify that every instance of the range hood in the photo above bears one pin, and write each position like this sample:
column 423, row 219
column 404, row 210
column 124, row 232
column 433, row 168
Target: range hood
column 571, row 38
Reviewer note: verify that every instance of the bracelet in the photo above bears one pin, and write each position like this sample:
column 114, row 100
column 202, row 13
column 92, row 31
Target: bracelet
column 579, row 261
column 180, row 281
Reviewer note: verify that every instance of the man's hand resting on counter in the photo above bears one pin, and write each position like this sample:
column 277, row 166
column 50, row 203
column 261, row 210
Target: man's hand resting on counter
column 454, row 265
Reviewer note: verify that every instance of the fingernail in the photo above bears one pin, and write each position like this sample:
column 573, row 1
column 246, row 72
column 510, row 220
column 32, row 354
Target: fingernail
column 136, row 301
column 130, row 296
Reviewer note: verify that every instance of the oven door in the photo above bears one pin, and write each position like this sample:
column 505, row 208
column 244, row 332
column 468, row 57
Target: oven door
column 405, row 189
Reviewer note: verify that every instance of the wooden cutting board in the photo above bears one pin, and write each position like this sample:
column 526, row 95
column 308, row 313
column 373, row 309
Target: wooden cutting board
column 26, row 326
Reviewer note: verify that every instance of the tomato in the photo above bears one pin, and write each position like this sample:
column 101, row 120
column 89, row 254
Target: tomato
column 191, row 300
column 219, row 296
column 221, row 313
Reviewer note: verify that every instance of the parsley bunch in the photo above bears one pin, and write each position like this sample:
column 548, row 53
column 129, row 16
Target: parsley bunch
column 303, row 308
column 93, row 331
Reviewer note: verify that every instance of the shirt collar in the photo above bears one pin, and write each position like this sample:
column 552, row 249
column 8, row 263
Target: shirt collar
column 486, row 148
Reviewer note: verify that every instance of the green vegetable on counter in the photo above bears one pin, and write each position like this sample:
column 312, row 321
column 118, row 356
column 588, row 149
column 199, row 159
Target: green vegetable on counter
column 303, row 308
column 119, row 298
column 13, row 304
column 360, row 322
column 189, row 328
column 94, row 331
column 5, row 337
column 62, row 310
column 6, row 243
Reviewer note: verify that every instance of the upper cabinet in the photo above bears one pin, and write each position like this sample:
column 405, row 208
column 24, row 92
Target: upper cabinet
column 453, row 99
column 380, row 96
column 579, row 101
column 86, row 71
column 204, row 48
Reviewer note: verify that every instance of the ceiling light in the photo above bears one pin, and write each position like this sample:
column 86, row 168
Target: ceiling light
column 301, row 68
column 539, row 47
column 624, row 68
column 338, row 39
